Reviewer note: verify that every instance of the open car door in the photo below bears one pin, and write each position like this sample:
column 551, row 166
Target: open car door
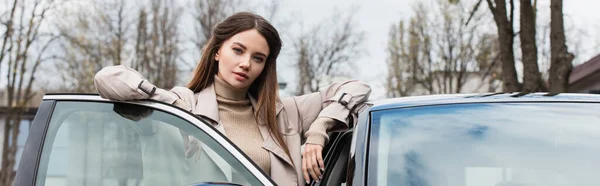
column 85, row 140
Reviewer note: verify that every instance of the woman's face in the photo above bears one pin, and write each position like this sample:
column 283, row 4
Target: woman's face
column 242, row 58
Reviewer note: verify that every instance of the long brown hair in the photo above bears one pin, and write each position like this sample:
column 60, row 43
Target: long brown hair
column 265, row 88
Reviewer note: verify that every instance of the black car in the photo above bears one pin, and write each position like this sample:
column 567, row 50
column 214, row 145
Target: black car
column 451, row 140
column 471, row 140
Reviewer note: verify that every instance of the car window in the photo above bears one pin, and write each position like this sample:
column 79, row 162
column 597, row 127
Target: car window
column 491, row 144
column 97, row 144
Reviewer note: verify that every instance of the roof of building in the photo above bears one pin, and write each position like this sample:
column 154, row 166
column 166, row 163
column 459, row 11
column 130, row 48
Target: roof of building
column 581, row 71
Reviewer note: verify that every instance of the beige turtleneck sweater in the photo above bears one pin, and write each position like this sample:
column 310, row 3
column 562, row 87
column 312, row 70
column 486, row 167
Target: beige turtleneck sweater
column 237, row 117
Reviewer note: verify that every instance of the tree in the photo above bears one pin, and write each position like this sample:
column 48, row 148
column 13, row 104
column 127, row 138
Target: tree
column 326, row 51
column 561, row 59
column 102, row 35
column 489, row 63
column 207, row 14
column 157, row 44
column 400, row 81
column 438, row 53
column 532, row 78
column 8, row 33
column 411, row 59
column 26, row 45
column 456, row 48
column 505, row 31
column 94, row 36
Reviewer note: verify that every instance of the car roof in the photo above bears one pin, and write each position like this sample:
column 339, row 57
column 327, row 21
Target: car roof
column 442, row 99
column 439, row 99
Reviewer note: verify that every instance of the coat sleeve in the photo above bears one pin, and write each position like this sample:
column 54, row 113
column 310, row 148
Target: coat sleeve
column 330, row 109
column 124, row 83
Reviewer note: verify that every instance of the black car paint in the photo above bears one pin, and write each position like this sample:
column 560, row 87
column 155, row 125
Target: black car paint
column 28, row 168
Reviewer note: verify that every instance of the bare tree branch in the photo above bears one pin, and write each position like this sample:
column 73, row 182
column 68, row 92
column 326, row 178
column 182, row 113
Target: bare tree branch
column 442, row 54
column 8, row 33
column 21, row 39
column 325, row 52
column 207, row 14
column 491, row 6
column 475, row 8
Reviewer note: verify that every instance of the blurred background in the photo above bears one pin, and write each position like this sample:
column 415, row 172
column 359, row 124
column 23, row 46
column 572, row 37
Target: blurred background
column 400, row 47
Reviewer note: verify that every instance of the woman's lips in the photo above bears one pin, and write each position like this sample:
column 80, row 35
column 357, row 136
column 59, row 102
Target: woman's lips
column 240, row 76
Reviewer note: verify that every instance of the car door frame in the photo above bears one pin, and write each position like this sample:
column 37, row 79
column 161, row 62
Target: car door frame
column 355, row 165
column 32, row 152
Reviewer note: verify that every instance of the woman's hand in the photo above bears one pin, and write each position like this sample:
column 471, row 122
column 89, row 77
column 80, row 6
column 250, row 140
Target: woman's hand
column 312, row 162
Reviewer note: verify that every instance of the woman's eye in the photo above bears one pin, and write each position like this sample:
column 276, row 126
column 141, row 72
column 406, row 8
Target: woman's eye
column 258, row 59
column 238, row 50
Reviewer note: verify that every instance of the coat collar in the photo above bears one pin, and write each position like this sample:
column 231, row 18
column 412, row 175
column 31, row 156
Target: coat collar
column 270, row 144
column 206, row 104
column 207, row 107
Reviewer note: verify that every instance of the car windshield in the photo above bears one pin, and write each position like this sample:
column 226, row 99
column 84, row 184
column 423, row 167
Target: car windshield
column 486, row 144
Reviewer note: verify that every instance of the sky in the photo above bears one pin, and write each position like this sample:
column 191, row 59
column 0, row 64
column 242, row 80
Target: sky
column 374, row 17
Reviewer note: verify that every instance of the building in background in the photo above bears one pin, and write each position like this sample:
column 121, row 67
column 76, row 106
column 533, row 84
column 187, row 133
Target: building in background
column 25, row 122
column 585, row 78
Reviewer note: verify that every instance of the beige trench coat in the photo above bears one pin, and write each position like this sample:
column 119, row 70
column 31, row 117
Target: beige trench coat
column 340, row 101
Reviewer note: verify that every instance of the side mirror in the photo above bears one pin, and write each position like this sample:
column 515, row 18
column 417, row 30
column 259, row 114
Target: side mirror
column 216, row 184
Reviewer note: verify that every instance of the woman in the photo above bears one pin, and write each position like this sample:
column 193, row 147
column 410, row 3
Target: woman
column 235, row 87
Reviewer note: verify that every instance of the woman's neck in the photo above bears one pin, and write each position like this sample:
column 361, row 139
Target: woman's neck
column 225, row 90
